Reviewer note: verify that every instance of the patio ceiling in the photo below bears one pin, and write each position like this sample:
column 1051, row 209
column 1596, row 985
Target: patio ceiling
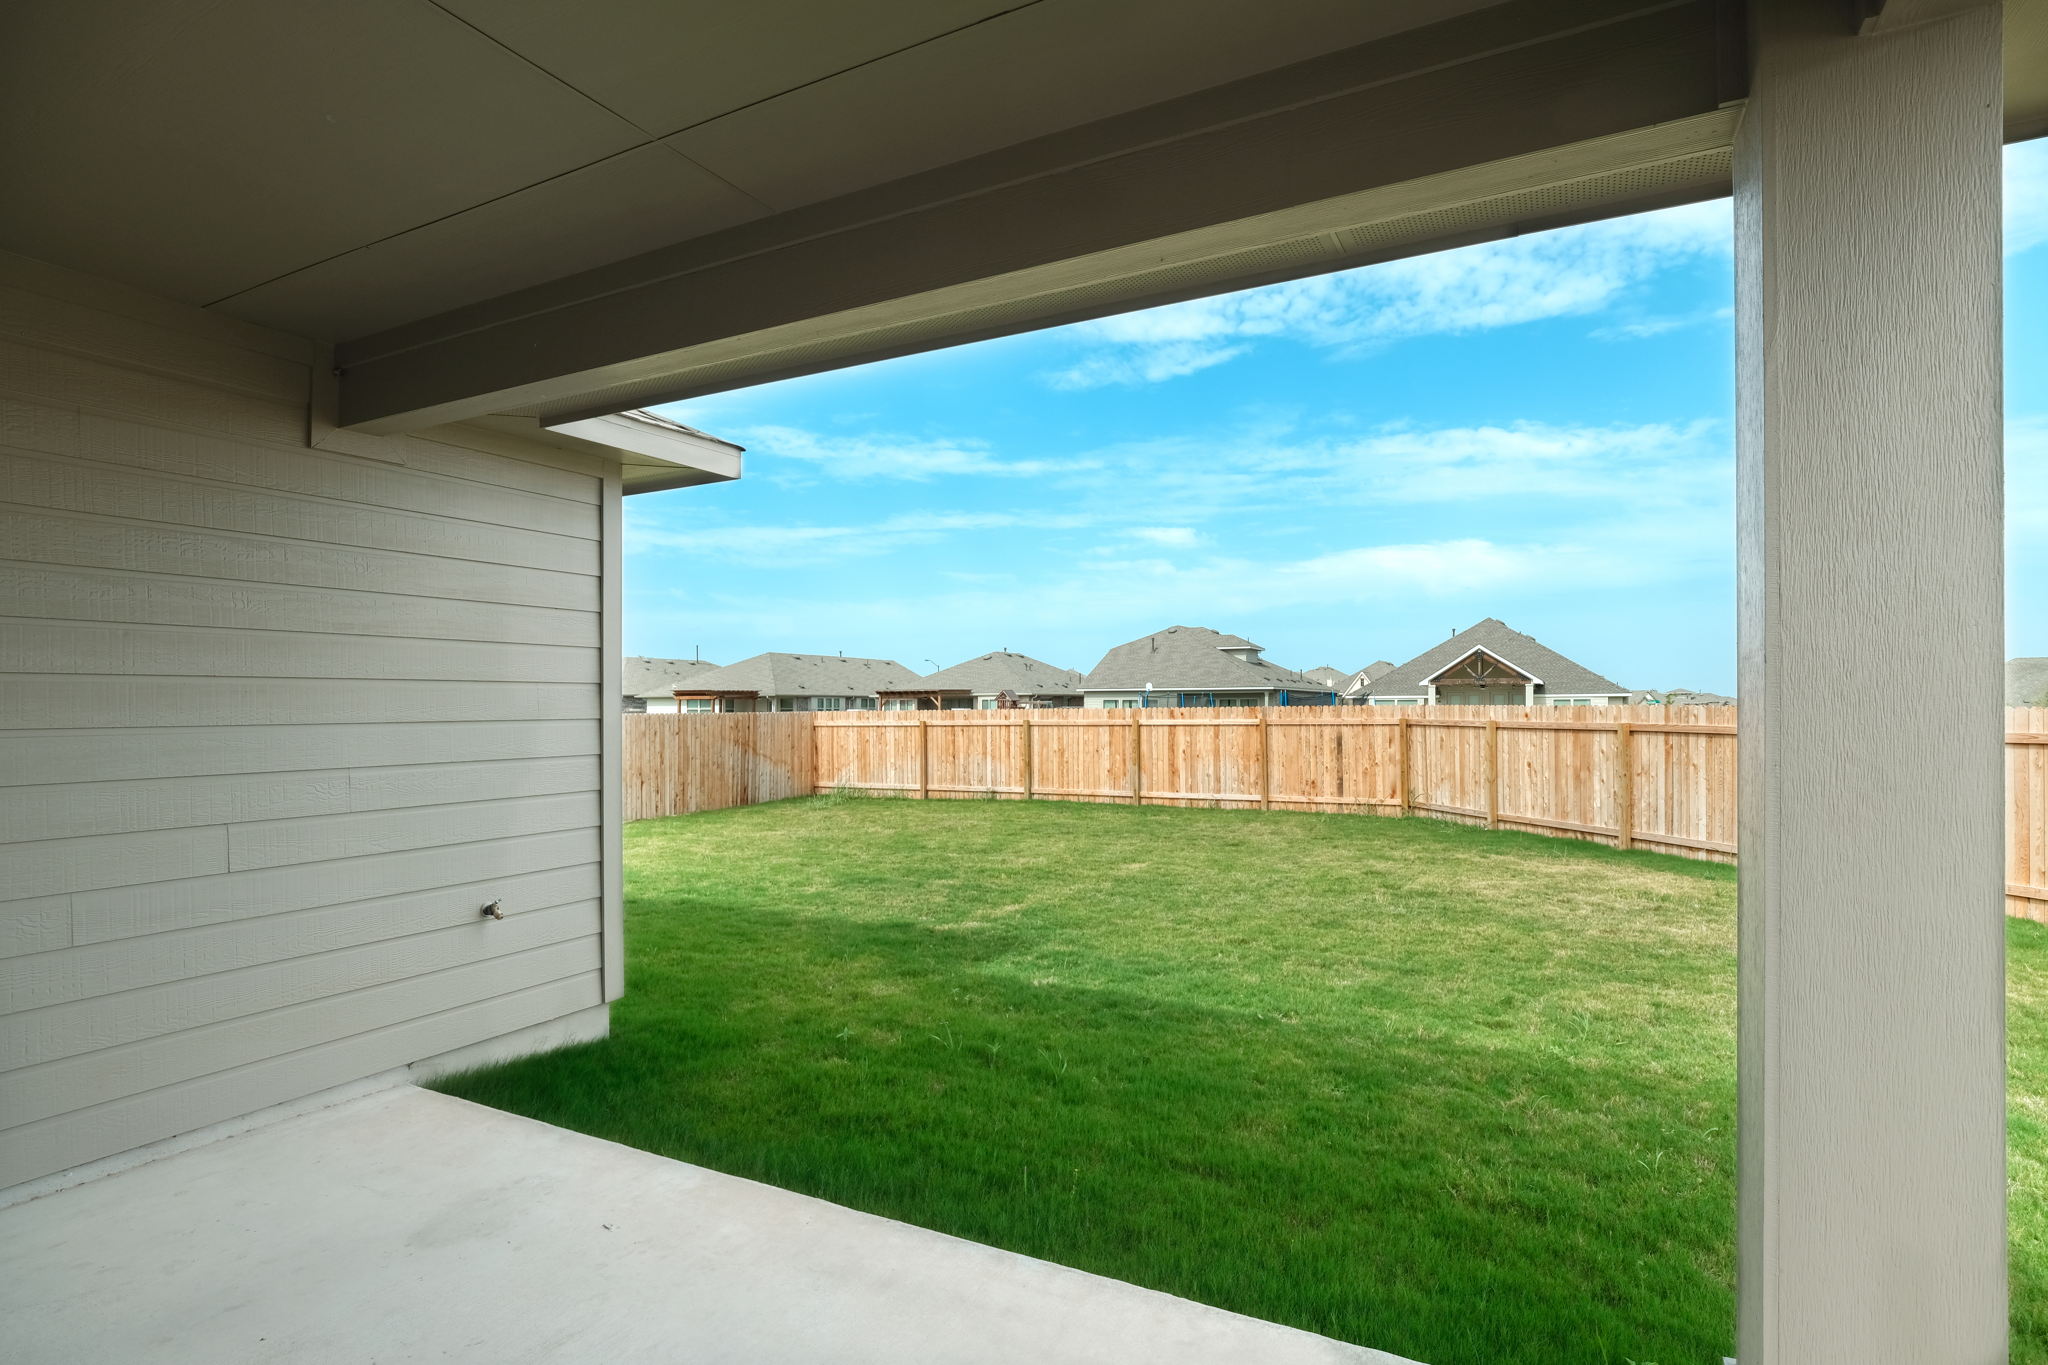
column 514, row 206
column 335, row 170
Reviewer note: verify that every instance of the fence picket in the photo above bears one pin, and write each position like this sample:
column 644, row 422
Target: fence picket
column 1659, row 778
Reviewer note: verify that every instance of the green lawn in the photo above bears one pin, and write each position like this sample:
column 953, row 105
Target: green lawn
column 1464, row 1096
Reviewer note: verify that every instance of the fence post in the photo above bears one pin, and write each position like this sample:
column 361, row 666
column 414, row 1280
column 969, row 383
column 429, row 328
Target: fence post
column 1401, row 763
column 1625, row 788
column 1137, row 759
column 1024, row 719
column 1265, row 763
column 924, row 759
column 673, row 781
column 1492, row 773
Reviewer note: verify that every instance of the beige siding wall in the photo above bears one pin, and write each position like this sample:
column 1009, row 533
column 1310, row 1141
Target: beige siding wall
column 275, row 721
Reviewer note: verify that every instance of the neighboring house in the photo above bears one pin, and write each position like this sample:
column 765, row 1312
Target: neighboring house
column 1353, row 692
column 1679, row 696
column 2026, row 682
column 651, row 684
column 796, row 682
column 979, row 684
column 1195, row 666
column 1328, row 676
column 1492, row 664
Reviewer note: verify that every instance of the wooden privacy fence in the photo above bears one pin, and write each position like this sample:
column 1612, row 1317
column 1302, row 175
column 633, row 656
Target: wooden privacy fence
column 1659, row 778
column 678, row 764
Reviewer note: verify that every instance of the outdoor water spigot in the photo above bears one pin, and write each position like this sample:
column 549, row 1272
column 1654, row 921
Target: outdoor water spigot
column 495, row 910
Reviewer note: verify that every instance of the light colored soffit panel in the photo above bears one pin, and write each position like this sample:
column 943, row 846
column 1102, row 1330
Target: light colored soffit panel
column 1035, row 70
column 1509, row 99
column 2026, row 68
column 201, row 147
column 619, row 207
column 666, row 66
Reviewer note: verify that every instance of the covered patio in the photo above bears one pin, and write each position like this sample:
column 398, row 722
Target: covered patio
column 403, row 1225
column 316, row 325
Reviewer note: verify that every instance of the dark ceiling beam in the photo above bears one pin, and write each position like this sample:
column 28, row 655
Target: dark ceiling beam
column 1524, row 113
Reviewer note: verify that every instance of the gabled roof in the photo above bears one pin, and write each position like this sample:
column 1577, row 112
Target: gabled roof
column 1188, row 659
column 787, row 675
column 1360, row 682
column 1002, row 671
column 1329, row 675
column 2026, row 682
column 661, row 677
column 1561, row 677
column 1476, row 655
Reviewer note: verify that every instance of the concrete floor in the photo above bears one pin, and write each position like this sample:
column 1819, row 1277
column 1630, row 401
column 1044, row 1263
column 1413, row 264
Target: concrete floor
column 408, row 1226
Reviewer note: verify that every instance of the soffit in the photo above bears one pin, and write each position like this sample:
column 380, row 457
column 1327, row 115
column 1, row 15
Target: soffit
column 333, row 170
column 2026, row 68
column 1033, row 70
column 198, row 149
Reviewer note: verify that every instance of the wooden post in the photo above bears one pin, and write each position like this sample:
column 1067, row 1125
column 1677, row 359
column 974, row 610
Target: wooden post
column 1137, row 758
column 924, row 759
column 1492, row 773
column 1024, row 720
column 1625, row 787
column 1265, row 763
column 1401, row 765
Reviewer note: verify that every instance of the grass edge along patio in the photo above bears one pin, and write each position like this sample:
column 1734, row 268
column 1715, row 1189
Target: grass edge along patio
column 1460, row 1094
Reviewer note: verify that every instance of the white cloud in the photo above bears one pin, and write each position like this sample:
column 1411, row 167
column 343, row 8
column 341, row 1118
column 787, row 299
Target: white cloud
column 1166, row 535
column 1148, row 364
column 1649, row 465
column 784, row 546
column 1653, row 463
column 890, row 457
column 1564, row 273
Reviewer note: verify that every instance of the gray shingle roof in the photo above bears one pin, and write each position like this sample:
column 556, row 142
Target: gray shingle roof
column 1679, row 696
column 659, row 677
column 801, row 675
column 2026, row 682
column 1329, row 675
column 1358, row 683
column 1187, row 659
column 1003, row 671
column 1561, row 677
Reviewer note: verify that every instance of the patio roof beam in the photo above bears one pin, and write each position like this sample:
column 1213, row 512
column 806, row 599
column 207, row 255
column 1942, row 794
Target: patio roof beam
column 1525, row 114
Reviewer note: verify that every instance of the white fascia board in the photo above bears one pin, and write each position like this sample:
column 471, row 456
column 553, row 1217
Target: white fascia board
column 1491, row 654
column 656, row 455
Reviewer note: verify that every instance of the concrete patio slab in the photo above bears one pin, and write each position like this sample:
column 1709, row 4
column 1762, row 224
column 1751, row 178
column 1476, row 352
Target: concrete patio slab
column 408, row 1226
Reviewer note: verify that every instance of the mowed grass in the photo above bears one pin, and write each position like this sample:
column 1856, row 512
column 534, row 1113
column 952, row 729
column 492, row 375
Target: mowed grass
column 1464, row 1096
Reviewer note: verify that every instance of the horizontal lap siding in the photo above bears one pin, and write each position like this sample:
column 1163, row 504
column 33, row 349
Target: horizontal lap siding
column 275, row 721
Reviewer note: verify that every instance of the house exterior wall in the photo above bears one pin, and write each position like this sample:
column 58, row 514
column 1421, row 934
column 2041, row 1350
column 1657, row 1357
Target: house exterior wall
column 275, row 722
column 1243, row 696
column 1100, row 700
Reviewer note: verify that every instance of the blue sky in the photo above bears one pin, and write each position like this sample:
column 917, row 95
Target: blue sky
column 1343, row 469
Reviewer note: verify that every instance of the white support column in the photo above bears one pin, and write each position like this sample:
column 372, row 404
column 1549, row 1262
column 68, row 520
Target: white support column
column 611, row 736
column 1872, row 963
